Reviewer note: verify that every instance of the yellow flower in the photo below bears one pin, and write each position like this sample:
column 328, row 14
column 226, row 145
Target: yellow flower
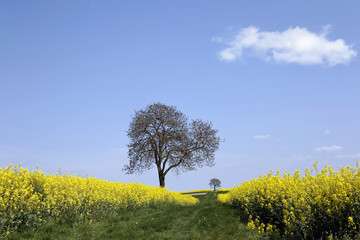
column 32, row 192
column 292, row 198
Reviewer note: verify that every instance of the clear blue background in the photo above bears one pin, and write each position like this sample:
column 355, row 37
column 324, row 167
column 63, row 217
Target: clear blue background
column 73, row 72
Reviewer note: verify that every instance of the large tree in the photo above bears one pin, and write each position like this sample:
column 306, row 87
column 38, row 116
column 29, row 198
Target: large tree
column 161, row 135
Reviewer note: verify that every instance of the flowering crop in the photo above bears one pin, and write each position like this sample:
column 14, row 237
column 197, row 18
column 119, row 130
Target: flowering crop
column 323, row 205
column 206, row 191
column 29, row 197
column 224, row 190
column 197, row 191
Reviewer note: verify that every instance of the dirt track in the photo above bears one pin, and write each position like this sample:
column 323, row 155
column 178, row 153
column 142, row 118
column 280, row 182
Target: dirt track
column 196, row 194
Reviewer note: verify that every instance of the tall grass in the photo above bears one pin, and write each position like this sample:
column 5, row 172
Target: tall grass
column 207, row 220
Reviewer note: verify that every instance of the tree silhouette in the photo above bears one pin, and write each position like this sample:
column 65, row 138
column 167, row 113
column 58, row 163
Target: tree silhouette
column 161, row 135
column 215, row 183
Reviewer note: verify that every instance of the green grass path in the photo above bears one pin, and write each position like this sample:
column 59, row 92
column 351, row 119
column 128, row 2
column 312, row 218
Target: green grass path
column 206, row 220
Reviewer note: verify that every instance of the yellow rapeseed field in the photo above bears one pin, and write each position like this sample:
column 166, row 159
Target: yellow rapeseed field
column 197, row 191
column 29, row 197
column 314, row 206
column 224, row 190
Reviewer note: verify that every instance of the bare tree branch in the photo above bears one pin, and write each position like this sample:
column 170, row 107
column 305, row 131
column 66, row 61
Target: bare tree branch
column 162, row 135
column 215, row 183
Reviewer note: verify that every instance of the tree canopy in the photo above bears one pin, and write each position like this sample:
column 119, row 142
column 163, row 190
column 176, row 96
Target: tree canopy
column 215, row 183
column 163, row 136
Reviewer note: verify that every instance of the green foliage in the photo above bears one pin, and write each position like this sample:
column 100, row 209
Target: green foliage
column 321, row 206
column 30, row 198
column 207, row 220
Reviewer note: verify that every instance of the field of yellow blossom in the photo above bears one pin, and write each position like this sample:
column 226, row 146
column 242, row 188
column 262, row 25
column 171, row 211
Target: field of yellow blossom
column 221, row 190
column 320, row 205
column 197, row 191
column 28, row 198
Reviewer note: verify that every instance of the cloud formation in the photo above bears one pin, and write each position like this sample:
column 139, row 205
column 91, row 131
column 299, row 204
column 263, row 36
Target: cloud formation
column 294, row 45
column 328, row 148
column 348, row 156
column 326, row 132
column 262, row 137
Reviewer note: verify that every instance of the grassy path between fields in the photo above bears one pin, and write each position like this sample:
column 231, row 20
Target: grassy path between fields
column 206, row 220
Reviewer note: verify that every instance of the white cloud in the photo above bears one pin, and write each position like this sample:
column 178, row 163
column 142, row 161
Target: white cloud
column 294, row 45
column 326, row 132
column 348, row 156
column 262, row 137
column 327, row 148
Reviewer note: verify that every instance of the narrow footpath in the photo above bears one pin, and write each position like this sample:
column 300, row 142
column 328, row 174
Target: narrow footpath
column 207, row 220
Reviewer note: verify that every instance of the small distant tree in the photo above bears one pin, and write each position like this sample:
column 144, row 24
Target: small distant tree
column 215, row 183
column 161, row 135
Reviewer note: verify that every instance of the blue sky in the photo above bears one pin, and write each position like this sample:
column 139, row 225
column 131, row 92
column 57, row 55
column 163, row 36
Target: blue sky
column 279, row 80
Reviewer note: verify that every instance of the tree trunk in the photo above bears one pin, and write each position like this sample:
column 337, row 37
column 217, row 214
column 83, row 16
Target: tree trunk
column 161, row 179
